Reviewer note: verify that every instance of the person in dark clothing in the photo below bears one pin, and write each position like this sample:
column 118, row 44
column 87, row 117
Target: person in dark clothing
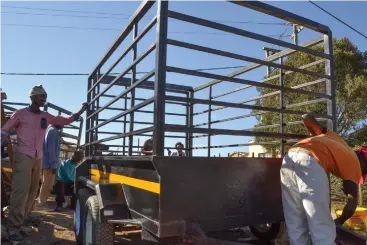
column 65, row 180
column 148, row 147
column 50, row 162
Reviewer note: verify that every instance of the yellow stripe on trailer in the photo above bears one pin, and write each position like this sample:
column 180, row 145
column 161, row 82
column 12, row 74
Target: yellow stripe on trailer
column 150, row 186
column 9, row 170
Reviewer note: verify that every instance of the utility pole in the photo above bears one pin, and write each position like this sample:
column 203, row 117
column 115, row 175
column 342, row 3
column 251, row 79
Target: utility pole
column 296, row 30
column 268, row 52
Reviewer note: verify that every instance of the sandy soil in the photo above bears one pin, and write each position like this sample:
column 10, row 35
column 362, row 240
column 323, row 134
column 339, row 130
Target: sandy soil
column 56, row 228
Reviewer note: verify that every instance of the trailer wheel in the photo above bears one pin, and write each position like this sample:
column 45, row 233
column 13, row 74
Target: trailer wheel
column 269, row 231
column 81, row 199
column 95, row 232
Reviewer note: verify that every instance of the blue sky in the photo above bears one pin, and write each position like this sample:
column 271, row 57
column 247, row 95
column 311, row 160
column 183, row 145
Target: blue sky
column 26, row 48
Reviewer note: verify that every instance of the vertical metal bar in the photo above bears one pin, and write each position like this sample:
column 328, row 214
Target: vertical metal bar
column 124, row 139
column 160, row 77
column 94, row 136
column 187, row 136
column 191, row 122
column 330, row 83
column 79, row 134
column 95, row 118
column 62, row 128
column 87, row 124
column 281, row 106
column 210, row 118
column 132, row 100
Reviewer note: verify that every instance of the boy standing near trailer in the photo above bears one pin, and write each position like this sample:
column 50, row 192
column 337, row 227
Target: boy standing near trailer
column 65, row 180
column 305, row 184
column 50, row 162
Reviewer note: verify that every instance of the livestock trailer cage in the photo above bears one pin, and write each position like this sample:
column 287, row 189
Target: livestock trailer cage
column 145, row 87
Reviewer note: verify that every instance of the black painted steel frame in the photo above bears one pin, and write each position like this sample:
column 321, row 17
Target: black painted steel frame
column 158, row 128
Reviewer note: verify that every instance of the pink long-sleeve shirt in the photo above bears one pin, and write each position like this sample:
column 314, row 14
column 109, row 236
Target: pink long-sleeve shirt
column 31, row 127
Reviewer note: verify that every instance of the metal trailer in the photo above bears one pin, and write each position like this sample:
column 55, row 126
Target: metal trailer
column 185, row 199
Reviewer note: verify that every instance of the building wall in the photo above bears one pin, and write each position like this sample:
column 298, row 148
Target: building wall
column 257, row 151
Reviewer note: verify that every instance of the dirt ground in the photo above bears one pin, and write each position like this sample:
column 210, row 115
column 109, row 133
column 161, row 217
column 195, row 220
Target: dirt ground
column 56, row 228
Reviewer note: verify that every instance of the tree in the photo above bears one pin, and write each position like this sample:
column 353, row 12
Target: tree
column 351, row 93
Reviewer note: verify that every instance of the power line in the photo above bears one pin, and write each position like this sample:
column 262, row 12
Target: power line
column 360, row 33
column 115, row 14
column 115, row 29
column 65, row 15
column 87, row 74
column 64, row 10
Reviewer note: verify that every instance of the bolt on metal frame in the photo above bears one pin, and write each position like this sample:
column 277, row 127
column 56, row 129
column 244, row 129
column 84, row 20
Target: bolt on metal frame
column 160, row 87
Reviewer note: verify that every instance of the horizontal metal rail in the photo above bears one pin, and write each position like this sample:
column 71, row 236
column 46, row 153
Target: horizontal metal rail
column 278, row 92
column 127, row 50
column 241, row 145
column 71, row 127
column 283, row 14
column 121, row 121
column 136, row 17
column 253, row 66
column 184, row 129
column 63, row 134
column 170, row 87
column 142, row 99
column 57, row 108
column 263, row 96
column 12, row 109
column 139, row 131
column 242, row 57
column 309, row 102
column 241, row 106
column 131, row 66
column 15, row 103
column 243, row 33
column 243, row 81
column 285, row 124
column 230, row 119
column 140, row 105
column 269, row 79
column 128, row 90
column 146, row 111
column 121, row 109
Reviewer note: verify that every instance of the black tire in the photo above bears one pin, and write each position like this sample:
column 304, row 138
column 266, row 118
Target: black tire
column 81, row 199
column 271, row 232
column 100, row 233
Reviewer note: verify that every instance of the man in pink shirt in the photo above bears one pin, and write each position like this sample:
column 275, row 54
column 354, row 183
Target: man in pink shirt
column 30, row 124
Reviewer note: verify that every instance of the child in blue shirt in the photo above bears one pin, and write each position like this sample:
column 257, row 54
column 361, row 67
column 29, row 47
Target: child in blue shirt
column 65, row 179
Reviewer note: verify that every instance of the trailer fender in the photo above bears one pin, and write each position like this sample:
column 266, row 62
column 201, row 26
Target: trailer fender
column 112, row 202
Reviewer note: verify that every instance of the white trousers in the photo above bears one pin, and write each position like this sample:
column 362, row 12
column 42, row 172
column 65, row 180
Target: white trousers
column 306, row 198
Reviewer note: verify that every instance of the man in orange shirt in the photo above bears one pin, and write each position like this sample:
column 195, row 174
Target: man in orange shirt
column 305, row 184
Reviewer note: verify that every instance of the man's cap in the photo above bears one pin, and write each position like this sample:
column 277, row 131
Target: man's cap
column 37, row 90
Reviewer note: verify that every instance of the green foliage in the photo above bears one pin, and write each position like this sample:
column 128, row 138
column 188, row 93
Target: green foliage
column 351, row 93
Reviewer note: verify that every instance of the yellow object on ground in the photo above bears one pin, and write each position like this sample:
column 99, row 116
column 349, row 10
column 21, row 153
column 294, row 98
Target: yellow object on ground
column 358, row 221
